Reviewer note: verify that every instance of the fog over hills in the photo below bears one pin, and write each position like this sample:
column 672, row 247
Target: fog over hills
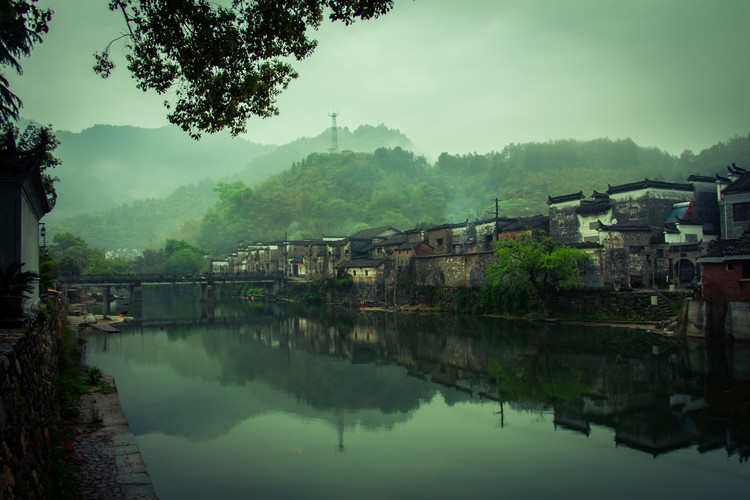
column 132, row 187
column 106, row 165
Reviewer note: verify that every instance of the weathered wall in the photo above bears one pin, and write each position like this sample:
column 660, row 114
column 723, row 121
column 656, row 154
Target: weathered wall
column 563, row 225
column 460, row 271
column 718, row 320
column 731, row 228
column 28, row 381
column 722, row 282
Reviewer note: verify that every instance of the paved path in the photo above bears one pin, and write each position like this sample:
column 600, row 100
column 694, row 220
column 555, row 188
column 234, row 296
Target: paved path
column 110, row 463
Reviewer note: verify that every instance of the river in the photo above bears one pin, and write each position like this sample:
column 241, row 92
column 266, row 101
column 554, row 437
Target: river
column 247, row 400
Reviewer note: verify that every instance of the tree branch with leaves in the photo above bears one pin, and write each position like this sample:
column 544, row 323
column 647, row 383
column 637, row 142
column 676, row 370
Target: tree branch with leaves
column 224, row 63
column 537, row 262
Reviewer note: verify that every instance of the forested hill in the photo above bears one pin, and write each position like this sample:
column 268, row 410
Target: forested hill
column 143, row 223
column 106, row 165
column 338, row 194
column 364, row 138
column 118, row 184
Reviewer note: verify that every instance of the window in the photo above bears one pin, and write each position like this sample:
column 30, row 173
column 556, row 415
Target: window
column 366, row 272
column 729, row 266
column 440, row 241
column 741, row 211
column 354, row 273
column 746, row 269
column 594, row 225
column 691, row 238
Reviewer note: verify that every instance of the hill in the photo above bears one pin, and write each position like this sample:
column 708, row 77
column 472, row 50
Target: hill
column 338, row 194
column 117, row 183
column 106, row 165
column 364, row 138
column 140, row 224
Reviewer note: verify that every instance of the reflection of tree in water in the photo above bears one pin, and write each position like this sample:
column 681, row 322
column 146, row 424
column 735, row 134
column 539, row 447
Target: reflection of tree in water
column 538, row 381
column 322, row 382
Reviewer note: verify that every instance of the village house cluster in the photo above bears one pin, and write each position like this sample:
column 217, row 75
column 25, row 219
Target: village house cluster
column 645, row 234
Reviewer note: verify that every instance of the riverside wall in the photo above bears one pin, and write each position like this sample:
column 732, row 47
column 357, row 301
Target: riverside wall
column 29, row 362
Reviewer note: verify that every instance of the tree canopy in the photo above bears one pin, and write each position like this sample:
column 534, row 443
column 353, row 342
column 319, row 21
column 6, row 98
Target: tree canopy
column 539, row 263
column 22, row 25
column 224, row 61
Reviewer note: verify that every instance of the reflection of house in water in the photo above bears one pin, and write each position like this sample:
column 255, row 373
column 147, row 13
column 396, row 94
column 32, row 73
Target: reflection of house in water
column 653, row 403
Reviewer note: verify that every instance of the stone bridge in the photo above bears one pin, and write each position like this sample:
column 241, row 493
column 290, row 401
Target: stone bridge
column 272, row 283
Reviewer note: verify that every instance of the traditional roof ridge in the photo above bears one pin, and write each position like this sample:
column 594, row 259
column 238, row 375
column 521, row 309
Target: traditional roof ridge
column 597, row 206
column 701, row 178
column 648, row 183
column 372, row 232
column 362, row 263
column 551, row 200
column 741, row 185
column 624, row 227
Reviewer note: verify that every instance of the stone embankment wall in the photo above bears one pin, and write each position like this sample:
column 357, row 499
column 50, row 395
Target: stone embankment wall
column 583, row 303
column 651, row 305
column 28, row 382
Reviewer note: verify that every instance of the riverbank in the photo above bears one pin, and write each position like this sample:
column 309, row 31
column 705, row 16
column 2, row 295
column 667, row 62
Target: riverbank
column 109, row 462
column 104, row 453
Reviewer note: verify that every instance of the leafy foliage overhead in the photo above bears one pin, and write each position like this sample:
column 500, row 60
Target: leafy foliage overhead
column 226, row 63
column 22, row 25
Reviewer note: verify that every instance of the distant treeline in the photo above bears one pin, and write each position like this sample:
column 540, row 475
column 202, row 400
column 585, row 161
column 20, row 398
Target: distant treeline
column 341, row 193
column 338, row 194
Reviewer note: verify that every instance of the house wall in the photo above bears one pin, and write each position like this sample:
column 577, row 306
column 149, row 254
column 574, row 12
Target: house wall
column 363, row 275
column 563, row 223
column 457, row 271
column 30, row 247
column 646, row 206
column 588, row 224
column 723, row 282
column 731, row 228
column 706, row 204
column 10, row 227
column 682, row 237
column 444, row 235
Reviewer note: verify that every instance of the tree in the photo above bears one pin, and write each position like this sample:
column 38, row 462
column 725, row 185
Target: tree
column 225, row 61
column 30, row 150
column 537, row 262
column 22, row 25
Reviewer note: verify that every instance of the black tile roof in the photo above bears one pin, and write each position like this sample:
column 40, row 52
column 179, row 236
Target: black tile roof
column 727, row 248
column 701, row 178
column 373, row 232
column 551, row 200
column 648, row 183
column 741, row 185
column 394, row 240
column 363, row 263
column 593, row 207
column 625, row 228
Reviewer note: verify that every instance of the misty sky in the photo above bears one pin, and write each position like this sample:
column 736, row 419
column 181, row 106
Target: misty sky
column 458, row 76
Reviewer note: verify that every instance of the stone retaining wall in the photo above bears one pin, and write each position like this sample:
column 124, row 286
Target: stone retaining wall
column 28, row 383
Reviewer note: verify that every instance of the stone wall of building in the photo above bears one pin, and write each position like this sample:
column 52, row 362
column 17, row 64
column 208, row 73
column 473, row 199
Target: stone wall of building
column 563, row 225
column 733, row 228
column 455, row 271
column 28, row 383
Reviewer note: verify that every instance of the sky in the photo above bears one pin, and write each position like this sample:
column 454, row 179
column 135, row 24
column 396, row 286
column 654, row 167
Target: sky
column 457, row 77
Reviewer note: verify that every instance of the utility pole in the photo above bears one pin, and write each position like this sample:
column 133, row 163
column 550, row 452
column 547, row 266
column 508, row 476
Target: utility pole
column 334, row 134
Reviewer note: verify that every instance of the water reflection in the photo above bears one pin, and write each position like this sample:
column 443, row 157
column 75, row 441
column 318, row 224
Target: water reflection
column 363, row 377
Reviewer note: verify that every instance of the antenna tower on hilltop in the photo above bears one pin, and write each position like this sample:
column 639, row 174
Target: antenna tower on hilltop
column 334, row 134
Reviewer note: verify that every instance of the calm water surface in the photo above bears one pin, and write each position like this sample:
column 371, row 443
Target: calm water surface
column 243, row 400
